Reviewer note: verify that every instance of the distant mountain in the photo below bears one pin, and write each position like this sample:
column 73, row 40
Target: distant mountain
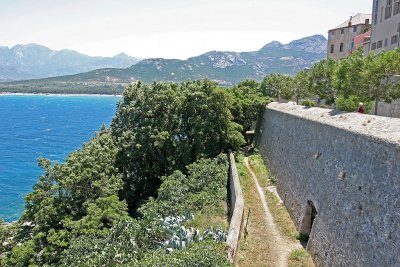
column 227, row 68
column 32, row 61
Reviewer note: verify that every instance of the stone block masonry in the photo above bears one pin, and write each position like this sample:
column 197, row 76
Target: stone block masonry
column 236, row 209
column 339, row 177
column 388, row 109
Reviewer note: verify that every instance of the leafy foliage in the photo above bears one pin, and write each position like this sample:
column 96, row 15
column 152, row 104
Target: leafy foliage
column 203, row 186
column 379, row 78
column 301, row 85
column 351, row 103
column 277, row 86
column 200, row 254
column 160, row 128
column 321, row 77
column 308, row 103
column 347, row 79
column 248, row 103
column 161, row 225
column 162, row 134
column 79, row 197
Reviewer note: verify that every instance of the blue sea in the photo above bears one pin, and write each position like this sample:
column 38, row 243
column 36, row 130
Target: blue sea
column 33, row 126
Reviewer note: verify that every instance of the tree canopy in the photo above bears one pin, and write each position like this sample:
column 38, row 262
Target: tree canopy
column 163, row 127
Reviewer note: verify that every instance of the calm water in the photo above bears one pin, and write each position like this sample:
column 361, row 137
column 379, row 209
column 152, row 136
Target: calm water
column 42, row 126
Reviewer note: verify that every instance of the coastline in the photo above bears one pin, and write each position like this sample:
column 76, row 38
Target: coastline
column 53, row 94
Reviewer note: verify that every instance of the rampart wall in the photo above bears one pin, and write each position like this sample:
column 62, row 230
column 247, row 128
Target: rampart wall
column 339, row 173
column 236, row 209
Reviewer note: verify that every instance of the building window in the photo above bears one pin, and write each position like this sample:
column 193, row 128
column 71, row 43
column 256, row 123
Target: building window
column 388, row 9
column 394, row 39
column 396, row 8
column 332, row 49
column 342, row 30
column 376, row 12
column 379, row 44
column 386, row 42
column 355, row 28
column 382, row 8
column 373, row 46
column 341, row 47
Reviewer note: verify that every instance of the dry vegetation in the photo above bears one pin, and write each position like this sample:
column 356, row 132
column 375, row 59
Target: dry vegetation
column 255, row 248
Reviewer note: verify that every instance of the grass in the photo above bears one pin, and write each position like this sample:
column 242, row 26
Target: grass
column 278, row 210
column 210, row 216
column 300, row 258
column 254, row 248
column 263, row 175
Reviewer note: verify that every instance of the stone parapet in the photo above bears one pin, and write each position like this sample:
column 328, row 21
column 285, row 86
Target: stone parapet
column 236, row 209
column 338, row 175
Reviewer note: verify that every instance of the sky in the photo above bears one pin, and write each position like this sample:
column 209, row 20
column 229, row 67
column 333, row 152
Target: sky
column 168, row 28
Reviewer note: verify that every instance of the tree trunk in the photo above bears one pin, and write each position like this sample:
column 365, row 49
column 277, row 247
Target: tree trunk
column 376, row 106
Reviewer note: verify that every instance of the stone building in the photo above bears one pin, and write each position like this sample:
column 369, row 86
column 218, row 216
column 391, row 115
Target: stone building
column 340, row 39
column 362, row 40
column 385, row 25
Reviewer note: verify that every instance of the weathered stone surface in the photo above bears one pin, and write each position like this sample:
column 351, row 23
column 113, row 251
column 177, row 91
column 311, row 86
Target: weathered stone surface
column 388, row 109
column 236, row 209
column 347, row 164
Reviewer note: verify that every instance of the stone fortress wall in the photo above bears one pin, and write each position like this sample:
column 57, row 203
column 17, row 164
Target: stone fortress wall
column 339, row 177
column 236, row 204
column 388, row 109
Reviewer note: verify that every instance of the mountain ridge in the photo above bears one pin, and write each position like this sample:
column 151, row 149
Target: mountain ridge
column 226, row 67
column 35, row 61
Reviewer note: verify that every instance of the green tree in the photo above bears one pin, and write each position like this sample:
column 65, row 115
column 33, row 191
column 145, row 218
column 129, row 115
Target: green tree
column 379, row 77
column 347, row 78
column 203, row 185
column 351, row 103
column 248, row 103
column 321, row 80
column 72, row 199
column 277, row 86
column 301, row 85
column 163, row 127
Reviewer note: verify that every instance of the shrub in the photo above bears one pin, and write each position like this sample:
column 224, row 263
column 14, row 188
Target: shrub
column 324, row 106
column 203, row 186
column 351, row 103
column 205, row 253
column 308, row 103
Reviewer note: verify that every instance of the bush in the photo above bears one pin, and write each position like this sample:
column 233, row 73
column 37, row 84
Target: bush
column 308, row 103
column 324, row 106
column 351, row 103
column 206, row 253
column 203, row 186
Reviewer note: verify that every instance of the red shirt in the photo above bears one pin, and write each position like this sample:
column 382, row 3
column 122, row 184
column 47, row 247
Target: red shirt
column 361, row 109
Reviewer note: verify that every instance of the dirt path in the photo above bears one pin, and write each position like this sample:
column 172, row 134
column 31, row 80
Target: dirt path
column 279, row 247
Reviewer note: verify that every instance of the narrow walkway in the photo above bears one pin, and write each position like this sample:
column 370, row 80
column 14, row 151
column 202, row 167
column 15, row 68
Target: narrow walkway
column 278, row 246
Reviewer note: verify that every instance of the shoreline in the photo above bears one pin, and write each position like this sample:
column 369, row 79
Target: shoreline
column 54, row 94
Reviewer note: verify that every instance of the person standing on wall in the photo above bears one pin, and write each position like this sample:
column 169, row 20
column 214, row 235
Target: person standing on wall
column 361, row 108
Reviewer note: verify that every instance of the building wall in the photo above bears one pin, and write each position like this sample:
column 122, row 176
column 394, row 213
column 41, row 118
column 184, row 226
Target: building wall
column 384, row 29
column 347, row 165
column 345, row 36
column 388, row 109
column 236, row 209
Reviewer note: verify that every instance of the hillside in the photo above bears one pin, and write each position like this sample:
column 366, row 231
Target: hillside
column 227, row 68
column 33, row 61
